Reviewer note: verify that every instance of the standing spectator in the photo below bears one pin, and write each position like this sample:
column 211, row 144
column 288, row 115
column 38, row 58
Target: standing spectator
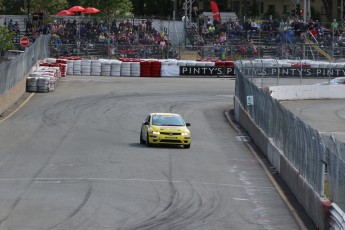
column 148, row 24
column 55, row 27
column 334, row 26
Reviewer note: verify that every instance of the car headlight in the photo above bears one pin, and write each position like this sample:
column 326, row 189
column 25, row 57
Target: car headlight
column 185, row 134
column 154, row 132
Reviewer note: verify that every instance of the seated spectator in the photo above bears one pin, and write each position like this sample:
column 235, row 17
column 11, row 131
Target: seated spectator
column 313, row 32
column 222, row 38
column 212, row 30
column 128, row 24
column 204, row 31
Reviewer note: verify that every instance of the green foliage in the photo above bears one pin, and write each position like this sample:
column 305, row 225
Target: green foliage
column 162, row 8
column 116, row 8
column 6, row 38
column 12, row 6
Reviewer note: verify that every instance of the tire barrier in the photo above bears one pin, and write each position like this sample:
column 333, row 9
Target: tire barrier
column 115, row 68
column 77, row 67
column 126, row 69
column 96, row 67
column 86, row 67
column 132, row 67
column 135, row 69
column 156, row 69
column 145, row 69
column 105, row 67
column 43, row 79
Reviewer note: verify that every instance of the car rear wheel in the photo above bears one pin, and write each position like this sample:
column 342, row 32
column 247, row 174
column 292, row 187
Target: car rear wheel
column 186, row 146
column 141, row 139
column 148, row 141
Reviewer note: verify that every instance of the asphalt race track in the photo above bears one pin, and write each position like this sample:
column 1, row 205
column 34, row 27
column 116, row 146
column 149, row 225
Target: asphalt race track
column 71, row 159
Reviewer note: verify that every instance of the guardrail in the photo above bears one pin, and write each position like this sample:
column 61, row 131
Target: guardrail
column 337, row 218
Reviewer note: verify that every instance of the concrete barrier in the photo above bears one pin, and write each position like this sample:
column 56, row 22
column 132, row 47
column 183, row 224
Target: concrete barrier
column 314, row 205
column 10, row 97
column 304, row 92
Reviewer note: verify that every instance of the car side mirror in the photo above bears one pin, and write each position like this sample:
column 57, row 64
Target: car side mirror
column 187, row 124
column 146, row 123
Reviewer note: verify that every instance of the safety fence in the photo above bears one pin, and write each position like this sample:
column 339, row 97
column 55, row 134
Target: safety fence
column 335, row 161
column 13, row 71
column 301, row 144
column 116, row 51
column 319, row 159
column 228, row 51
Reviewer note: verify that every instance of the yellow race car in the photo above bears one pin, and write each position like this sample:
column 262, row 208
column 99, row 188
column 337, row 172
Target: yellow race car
column 165, row 128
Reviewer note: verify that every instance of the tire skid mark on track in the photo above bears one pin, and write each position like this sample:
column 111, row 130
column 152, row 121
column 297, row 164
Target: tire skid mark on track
column 340, row 113
column 11, row 210
column 181, row 209
column 77, row 209
column 52, row 120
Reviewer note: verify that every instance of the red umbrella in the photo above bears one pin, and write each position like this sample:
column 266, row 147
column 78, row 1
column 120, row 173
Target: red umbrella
column 91, row 10
column 77, row 9
column 65, row 13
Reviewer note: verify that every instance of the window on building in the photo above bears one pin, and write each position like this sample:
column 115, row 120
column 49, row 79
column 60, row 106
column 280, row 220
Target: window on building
column 286, row 9
column 271, row 8
column 262, row 9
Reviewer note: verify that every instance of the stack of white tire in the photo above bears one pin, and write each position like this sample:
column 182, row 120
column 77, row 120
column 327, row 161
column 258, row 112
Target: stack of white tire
column 96, row 68
column 105, row 67
column 77, row 67
column 31, row 82
column 85, row 67
column 126, row 69
column 70, row 67
column 135, row 69
column 115, row 68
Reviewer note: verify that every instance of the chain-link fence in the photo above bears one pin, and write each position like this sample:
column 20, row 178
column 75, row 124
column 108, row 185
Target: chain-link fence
column 13, row 71
column 320, row 159
column 302, row 145
column 335, row 170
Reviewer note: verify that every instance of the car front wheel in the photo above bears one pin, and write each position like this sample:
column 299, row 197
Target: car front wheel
column 186, row 146
column 148, row 140
column 141, row 139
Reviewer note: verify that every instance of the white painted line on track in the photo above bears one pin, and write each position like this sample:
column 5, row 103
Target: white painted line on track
column 241, row 199
column 331, row 132
column 17, row 109
column 58, row 180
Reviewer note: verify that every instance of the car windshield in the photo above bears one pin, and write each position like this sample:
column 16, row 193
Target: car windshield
column 167, row 120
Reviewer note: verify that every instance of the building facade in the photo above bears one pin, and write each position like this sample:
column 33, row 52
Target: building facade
column 312, row 8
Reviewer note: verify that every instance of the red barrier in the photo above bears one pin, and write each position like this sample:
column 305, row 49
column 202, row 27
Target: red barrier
column 145, row 69
column 156, row 68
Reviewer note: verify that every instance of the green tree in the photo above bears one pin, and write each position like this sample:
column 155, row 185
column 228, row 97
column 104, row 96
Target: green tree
column 6, row 39
column 161, row 8
column 116, row 8
column 12, row 7
column 49, row 7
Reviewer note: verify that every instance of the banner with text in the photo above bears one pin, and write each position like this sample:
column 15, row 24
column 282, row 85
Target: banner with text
column 207, row 71
column 262, row 72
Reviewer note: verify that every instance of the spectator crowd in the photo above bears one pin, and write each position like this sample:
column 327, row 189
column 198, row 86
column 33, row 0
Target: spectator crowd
column 120, row 37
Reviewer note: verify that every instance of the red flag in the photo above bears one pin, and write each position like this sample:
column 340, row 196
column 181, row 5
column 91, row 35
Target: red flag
column 215, row 10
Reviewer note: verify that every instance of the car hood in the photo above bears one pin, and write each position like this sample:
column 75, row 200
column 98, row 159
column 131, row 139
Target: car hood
column 170, row 128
